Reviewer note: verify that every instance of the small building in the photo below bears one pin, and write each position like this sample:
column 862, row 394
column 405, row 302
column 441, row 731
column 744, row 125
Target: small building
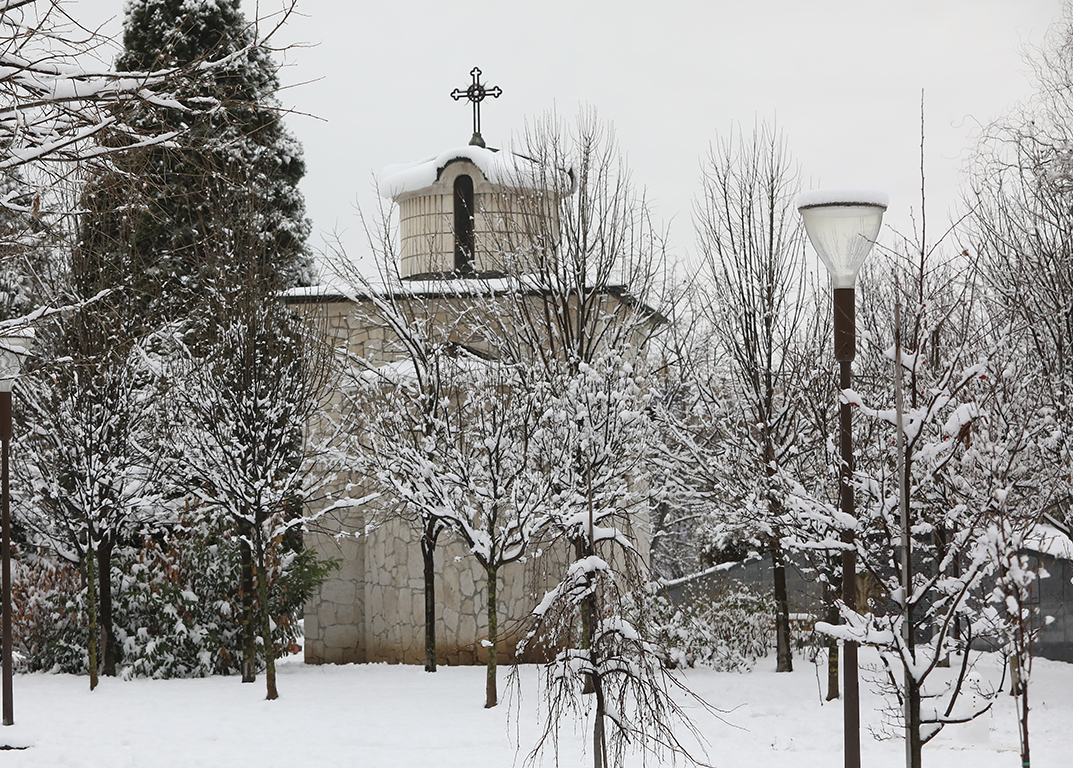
column 1049, row 550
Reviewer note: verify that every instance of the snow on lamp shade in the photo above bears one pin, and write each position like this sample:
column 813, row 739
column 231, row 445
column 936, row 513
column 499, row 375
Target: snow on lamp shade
column 842, row 226
column 13, row 348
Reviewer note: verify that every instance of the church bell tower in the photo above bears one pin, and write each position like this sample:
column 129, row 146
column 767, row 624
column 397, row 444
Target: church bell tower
column 474, row 211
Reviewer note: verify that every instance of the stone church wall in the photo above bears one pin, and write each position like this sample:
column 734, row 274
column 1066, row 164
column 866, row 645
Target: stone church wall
column 372, row 608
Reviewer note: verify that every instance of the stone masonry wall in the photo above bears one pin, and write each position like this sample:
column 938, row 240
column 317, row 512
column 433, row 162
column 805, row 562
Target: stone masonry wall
column 372, row 608
column 395, row 602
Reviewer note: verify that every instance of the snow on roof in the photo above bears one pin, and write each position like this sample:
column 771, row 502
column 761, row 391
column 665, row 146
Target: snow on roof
column 1048, row 540
column 817, row 197
column 504, row 168
column 337, row 288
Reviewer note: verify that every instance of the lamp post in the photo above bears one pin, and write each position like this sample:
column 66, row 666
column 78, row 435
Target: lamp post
column 842, row 226
column 13, row 348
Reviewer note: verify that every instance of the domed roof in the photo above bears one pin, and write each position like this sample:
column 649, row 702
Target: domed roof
column 502, row 168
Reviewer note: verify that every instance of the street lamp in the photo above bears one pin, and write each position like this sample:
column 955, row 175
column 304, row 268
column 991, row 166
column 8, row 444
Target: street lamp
column 13, row 348
column 842, row 226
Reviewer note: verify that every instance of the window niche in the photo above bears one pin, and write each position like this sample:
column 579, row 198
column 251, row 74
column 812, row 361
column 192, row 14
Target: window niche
column 463, row 224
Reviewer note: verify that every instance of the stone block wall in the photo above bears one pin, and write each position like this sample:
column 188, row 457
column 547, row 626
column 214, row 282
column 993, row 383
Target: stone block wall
column 372, row 608
column 335, row 616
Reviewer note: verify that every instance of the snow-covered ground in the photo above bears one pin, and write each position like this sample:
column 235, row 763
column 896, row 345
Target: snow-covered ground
column 398, row 716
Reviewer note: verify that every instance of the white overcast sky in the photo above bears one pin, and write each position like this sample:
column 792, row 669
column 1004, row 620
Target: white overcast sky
column 841, row 78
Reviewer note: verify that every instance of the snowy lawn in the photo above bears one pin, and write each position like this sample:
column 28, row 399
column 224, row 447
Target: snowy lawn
column 399, row 716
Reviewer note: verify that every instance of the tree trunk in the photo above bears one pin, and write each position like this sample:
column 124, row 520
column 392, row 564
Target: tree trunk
column 491, row 696
column 588, row 613
column 428, row 551
column 265, row 616
column 104, row 577
column 782, row 612
column 599, row 734
column 249, row 645
column 943, row 539
column 914, row 745
column 91, row 610
column 1015, row 675
column 1023, row 726
column 832, row 645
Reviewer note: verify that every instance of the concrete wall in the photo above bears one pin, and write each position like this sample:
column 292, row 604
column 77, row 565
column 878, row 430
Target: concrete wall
column 804, row 594
column 1053, row 596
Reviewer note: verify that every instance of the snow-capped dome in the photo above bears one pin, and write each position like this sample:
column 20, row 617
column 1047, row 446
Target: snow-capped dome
column 473, row 211
column 502, row 168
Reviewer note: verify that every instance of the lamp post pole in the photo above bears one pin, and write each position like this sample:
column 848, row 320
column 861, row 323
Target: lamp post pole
column 5, row 513
column 12, row 349
column 842, row 226
column 845, row 327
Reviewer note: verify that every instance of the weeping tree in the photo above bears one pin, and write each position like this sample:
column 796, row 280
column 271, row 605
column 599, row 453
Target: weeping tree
column 598, row 437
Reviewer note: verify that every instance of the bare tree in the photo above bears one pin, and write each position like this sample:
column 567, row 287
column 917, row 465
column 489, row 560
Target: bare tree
column 251, row 376
column 929, row 489
column 89, row 470
column 589, row 269
column 1018, row 480
column 1021, row 188
column 753, row 248
column 448, row 436
column 395, row 396
column 1021, row 202
column 90, row 478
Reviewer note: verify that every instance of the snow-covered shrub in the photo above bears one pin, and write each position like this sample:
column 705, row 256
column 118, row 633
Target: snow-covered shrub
column 48, row 600
column 727, row 632
column 176, row 603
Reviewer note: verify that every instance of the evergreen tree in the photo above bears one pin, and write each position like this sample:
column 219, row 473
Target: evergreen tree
column 162, row 215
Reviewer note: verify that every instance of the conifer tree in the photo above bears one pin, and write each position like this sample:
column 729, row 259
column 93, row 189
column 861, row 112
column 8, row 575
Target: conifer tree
column 158, row 221
column 182, row 196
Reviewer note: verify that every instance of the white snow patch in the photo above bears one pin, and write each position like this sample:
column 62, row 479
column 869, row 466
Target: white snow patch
column 319, row 720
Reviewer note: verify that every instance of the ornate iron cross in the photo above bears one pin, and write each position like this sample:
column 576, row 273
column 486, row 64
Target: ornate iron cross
column 476, row 93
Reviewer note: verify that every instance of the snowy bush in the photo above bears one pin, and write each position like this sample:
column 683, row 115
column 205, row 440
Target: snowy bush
column 49, row 624
column 727, row 632
column 177, row 603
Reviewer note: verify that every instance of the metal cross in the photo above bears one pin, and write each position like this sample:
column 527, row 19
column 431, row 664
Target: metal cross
column 476, row 93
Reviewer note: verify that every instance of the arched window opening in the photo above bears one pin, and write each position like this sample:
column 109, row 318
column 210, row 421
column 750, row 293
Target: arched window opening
column 464, row 224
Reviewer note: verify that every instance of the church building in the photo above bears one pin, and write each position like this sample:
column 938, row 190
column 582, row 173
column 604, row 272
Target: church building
column 462, row 217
